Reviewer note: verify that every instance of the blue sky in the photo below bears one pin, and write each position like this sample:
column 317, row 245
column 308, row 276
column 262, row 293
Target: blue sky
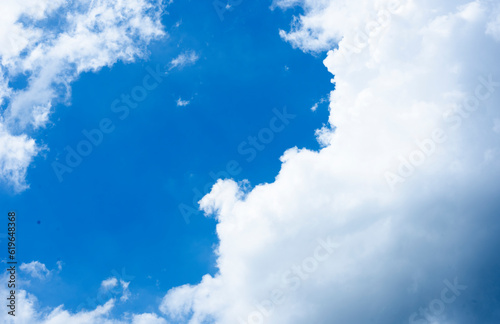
column 282, row 162
column 119, row 209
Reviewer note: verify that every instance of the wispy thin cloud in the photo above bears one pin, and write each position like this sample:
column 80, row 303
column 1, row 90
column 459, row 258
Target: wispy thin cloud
column 52, row 58
column 316, row 105
column 184, row 59
column 182, row 103
column 117, row 286
column 35, row 269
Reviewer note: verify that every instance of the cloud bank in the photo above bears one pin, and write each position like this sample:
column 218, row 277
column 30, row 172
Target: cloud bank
column 49, row 44
column 404, row 193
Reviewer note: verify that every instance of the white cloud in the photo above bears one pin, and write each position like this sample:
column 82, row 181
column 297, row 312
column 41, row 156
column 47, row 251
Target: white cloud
column 35, row 269
column 125, row 291
column 184, row 59
column 41, row 115
column 316, row 105
column 423, row 68
column 148, row 319
column 109, row 283
column 178, row 24
column 324, row 135
column 179, row 301
column 30, row 311
column 16, row 154
column 59, row 265
column 182, row 103
column 26, row 313
column 85, row 38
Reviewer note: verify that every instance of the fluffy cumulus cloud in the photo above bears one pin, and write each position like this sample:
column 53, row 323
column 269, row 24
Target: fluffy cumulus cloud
column 112, row 292
column 395, row 220
column 148, row 319
column 29, row 310
column 48, row 44
column 16, row 153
